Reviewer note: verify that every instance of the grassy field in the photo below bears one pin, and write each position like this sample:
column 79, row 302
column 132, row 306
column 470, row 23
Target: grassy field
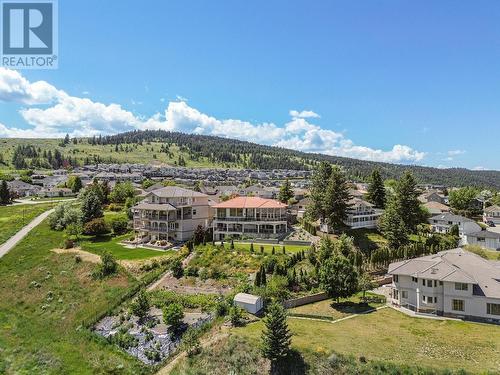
column 110, row 243
column 333, row 310
column 482, row 252
column 44, row 300
column 13, row 218
column 389, row 335
column 367, row 239
column 268, row 248
column 135, row 154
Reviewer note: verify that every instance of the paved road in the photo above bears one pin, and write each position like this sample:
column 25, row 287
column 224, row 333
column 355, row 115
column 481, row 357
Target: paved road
column 11, row 242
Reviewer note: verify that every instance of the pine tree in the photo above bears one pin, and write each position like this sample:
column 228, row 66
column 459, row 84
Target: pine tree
column 263, row 279
column 286, row 192
column 77, row 185
column 257, row 281
column 317, row 209
column 393, row 226
column 4, row 193
column 276, row 337
column 337, row 198
column 408, row 204
column 376, row 190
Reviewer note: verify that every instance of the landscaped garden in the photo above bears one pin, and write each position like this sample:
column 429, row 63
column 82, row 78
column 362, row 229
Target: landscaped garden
column 13, row 218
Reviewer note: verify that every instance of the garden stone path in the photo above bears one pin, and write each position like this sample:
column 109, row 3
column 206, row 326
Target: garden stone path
column 13, row 241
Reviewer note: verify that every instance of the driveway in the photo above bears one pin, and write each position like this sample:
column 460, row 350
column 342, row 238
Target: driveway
column 13, row 241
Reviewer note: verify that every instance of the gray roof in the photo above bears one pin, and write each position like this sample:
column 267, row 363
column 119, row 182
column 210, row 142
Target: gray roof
column 455, row 265
column 493, row 208
column 154, row 206
column 485, row 234
column 176, row 192
column 246, row 298
column 18, row 184
column 451, row 217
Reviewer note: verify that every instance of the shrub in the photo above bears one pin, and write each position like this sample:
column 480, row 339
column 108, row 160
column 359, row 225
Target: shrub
column 119, row 224
column 191, row 271
column 235, row 316
column 114, row 207
column 67, row 243
column 64, row 215
column 191, row 342
column 107, row 267
column 78, row 259
column 176, row 268
column 96, row 227
column 173, row 315
column 140, row 306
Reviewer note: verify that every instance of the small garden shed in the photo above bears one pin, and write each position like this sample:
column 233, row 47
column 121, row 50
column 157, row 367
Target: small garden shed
column 249, row 302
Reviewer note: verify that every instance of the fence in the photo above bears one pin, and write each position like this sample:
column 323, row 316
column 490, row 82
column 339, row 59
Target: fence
column 288, row 304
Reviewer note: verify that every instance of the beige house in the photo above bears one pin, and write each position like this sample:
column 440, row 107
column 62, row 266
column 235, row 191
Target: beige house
column 453, row 283
column 249, row 217
column 492, row 214
column 170, row 213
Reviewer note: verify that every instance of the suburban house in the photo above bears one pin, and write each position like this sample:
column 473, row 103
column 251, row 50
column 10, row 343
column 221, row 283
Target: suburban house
column 56, row 192
column 253, row 217
column 436, row 208
column 362, row 214
column 443, row 223
column 170, row 213
column 298, row 208
column 492, row 213
column 453, row 283
column 20, row 188
column 432, row 196
column 484, row 238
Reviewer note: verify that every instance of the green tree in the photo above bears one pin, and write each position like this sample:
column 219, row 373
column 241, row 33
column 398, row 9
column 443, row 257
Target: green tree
column 191, row 342
column 392, row 225
column 76, row 184
column 337, row 199
column 121, row 192
column 96, row 227
column 4, row 193
column 176, row 268
column 173, row 315
column 235, row 316
column 141, row 305
column 74, row 229
column 325, row 250
column 91, row 206
column 318, row 207
column 276, row 336
column 407, row 202
column 376, row 190
column 461, row 199
column 286, row 192
column 365, row 283
column 338, row 277
column 108, row 265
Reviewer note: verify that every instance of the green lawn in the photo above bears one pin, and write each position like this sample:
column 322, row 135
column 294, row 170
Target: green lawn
column 13, row 218
column 98, row 244
column 44, row 299
column 482, row 252
column 333, row 310
column 389, row 335
column 367, row 239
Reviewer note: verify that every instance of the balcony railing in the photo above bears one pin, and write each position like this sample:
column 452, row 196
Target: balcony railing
column 247, row 218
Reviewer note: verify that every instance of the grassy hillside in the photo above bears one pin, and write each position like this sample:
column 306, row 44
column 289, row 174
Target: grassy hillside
column 203, row 151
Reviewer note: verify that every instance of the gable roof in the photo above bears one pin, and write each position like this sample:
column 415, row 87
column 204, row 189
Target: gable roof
column 451, row 217
column 494, row 208
column 176, row 192
column 485, row 234
column 250, row 202
column 456, row 265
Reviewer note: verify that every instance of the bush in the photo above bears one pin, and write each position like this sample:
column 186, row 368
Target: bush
column 119, row 224
column 67, row 243
column 140, row 306
column 191, row 271
column 173, row 315
column 191, row 342
column 114, row 207
column 96, row 227
column 64, row 215
column 236, row 316
column 107, row 267
column 176, row 268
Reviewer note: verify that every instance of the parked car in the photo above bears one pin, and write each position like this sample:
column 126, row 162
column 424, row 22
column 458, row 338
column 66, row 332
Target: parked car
column 490, row 223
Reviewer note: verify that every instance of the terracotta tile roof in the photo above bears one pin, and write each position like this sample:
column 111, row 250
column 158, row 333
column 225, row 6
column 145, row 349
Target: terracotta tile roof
column 250, row 202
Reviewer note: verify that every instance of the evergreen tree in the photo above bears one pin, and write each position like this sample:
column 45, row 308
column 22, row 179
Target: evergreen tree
column 286, row 192
column 376, row 190
column 392, row 225
column 263, row 279
column 317, row 209
column 276, row 337
column 140, row 306
column 4, row 193
column 408, row 204
column 337, row 199
column 338, row 277
column 66, row 139
column 257, row 281
column 77, row 185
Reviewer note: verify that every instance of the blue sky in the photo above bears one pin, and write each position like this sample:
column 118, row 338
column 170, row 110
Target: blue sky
column 399, row 81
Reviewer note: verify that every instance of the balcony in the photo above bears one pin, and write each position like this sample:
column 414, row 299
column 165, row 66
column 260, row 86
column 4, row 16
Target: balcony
column 247, row 218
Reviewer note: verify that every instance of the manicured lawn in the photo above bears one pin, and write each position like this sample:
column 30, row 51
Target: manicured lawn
column 268, row 248
column 389, row 335
column 331, row 309
column 13, row 218
column 44, row 300
column 98, row 244
column 367, row 239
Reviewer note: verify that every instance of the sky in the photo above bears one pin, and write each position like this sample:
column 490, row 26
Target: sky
column 411, row 82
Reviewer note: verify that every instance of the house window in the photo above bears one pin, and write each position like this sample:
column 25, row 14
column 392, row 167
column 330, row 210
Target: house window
column 493, row 308
column 395, row 278
column 429, row 283
column 423, row 282
column 424, row 299
column 481, row 239
column 441, row 283
column 457, row 305
column 404, row 294
column 194, row 211
column 461, row 286
column 414, row 279
column 435, row 283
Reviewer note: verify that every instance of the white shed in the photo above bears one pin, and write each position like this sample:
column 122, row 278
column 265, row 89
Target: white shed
column 249, row 302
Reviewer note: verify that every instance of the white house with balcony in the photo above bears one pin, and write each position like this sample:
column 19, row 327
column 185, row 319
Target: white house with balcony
column 442, row 224
column 362, row 214
column 252, row 217
column 453, row 283
column 170, row 213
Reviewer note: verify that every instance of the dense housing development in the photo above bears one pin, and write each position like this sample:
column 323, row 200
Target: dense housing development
column 170, row 213
column 453, row 283
column 249, row 217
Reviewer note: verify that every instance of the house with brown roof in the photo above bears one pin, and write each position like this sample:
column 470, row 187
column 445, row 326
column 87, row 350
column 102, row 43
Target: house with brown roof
column 251, row 217
column 436, row 208
column 453, row 283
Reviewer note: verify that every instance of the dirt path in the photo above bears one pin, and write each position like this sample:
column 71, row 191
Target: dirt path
column 85, row 255
column 14, row 240
column 168, row 274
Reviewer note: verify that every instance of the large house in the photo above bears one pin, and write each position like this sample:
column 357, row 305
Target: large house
column 443, row 223
column 253, row 217
column 484, row 238
column 432, row 196
column 453, row 283
column 170, row 213
column 492, row 214
column 20, row 188
column 361, row 214
column 436, row 208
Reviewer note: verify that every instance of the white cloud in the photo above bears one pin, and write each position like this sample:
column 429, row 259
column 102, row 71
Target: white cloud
column 456, row 152
column 479, row 168
column 303, row 114
column 77, row 116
